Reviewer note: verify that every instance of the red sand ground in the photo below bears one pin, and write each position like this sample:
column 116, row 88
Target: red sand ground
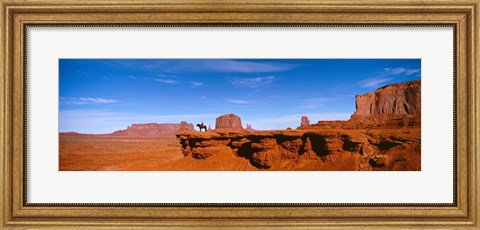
column 89, row 152
column 107, row 153
column 101, row 153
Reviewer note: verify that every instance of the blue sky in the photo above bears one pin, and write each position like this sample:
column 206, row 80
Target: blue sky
column 105, row 95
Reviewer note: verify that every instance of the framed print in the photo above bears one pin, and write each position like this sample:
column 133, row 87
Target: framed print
column 239, row 114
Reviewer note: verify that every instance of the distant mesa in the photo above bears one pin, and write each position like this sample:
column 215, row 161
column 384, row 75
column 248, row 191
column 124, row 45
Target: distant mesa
column 249, row 128
column 305, row 121
column 71, row 133
column 228, row 122
column 184, row 127
column 155, row 129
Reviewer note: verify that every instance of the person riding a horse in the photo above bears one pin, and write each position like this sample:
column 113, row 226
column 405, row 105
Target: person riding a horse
column 202, row 126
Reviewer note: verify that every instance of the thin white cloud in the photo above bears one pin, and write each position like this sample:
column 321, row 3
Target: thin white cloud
column 400, row 70
column 196, row 84
column 375, row 82
column 205, row 65
column 313, row 103
column 121, row 63
column 85, row 100
column 318, row 100
column 254, row 82
column 132, row 77
column 168, row 76
column 83, row 73
column 388, row 75
column 216, row 65
column 242, row 66
column 208, row 101
column 166, row 81
column 240, row 102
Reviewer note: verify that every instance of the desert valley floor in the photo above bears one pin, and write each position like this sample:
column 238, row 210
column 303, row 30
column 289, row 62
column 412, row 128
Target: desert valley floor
column 92, row 153
column 104, row 153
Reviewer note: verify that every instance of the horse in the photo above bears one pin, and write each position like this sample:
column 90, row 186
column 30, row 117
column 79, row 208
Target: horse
column 202, row 126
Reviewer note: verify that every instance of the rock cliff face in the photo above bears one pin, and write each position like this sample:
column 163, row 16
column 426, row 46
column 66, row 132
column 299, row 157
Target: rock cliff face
column 228, row 122
column 391, row 100
column 310, row 150
column 154, row 129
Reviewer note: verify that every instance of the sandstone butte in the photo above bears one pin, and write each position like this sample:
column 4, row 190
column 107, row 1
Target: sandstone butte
column 228, row 122
column 382, row 134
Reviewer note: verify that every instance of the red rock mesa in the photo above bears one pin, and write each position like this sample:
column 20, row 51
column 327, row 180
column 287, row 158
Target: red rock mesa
column 154, row 129
column 228, row 122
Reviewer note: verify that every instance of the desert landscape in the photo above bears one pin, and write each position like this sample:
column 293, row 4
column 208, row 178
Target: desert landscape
column 383, row 134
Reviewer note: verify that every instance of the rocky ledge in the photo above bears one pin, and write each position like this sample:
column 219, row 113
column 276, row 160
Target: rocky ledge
column 381, row 149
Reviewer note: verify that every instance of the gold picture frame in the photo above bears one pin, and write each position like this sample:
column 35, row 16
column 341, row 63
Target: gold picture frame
column 17, row 14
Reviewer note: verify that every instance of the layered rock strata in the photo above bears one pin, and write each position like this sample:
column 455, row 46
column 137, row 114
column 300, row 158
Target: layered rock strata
column 228, row 122
column 390, row 100
column 310, row 150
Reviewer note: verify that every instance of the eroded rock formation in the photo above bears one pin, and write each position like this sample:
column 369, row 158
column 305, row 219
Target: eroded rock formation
column 228, row 122
column 390, row 100
column 304, row 122
column 310, row 150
